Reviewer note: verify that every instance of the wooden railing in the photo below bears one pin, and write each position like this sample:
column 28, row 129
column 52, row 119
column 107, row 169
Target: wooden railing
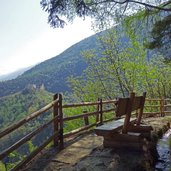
column 99, row 110
column 157, row 107
column 58, row 125
column 56, row 134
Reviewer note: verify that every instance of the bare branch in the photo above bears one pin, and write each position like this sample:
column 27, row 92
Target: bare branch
column 152, row 6
column 136, row 2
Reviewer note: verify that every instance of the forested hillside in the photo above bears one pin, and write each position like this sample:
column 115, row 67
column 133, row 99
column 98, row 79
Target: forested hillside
column 17, row 106
column 14, row 108
column 52, row 73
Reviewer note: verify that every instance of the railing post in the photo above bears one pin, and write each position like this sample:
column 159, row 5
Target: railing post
column 97, row 116
column 165, row 106
column 61, row 138
column 162, row 107
column 86, row 120
column 101, row 111
column 55, row 125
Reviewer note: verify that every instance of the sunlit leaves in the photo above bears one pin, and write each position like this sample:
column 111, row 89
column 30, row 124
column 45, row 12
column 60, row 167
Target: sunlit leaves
column 121, row 67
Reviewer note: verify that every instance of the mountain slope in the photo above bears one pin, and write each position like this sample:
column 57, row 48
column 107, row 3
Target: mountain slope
column 14, row 74
column 53, row 72
column 17, row 106
column 14, row 108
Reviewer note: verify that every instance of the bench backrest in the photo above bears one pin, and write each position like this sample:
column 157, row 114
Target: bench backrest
column 125, row 106
column 138, row 105
column 122, row 106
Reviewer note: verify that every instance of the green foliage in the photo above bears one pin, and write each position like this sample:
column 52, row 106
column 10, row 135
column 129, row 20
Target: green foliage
column 12, row 160
column 152, row 28
column 31, row 146
column 15, row 107
column 77, row 123
column 160, row 36
column 2, row 167
column 121, row 69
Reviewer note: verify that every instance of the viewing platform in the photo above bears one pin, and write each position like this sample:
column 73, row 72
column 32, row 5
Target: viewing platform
column 86, row 153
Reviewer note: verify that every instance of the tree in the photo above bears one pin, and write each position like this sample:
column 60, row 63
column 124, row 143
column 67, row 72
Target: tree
column 102, row 11
column 161, row 36
column 106, row 13
column 120, row 66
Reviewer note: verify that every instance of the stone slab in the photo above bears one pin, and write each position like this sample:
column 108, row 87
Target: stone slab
column 78, row 150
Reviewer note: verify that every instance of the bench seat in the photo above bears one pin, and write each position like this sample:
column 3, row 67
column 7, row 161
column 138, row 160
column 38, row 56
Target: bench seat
column 111, row 127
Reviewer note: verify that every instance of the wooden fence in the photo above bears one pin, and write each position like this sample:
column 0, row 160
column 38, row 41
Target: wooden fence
column 99, row 111
column 157, row 107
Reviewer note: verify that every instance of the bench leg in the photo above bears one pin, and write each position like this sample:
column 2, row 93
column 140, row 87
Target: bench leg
column 145, row 130
column 129, row 141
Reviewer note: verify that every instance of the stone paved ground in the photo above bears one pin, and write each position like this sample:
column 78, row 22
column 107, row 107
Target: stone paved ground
column 88, row 154
column 53, row 160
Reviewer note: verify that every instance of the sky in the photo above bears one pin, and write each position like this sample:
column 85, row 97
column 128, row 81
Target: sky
column 27, row 39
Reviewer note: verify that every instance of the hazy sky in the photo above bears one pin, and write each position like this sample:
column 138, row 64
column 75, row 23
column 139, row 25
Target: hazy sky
column 26, row 38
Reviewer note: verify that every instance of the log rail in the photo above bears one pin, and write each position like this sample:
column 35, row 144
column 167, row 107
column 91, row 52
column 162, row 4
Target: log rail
column 157, row 107
column 100, row 110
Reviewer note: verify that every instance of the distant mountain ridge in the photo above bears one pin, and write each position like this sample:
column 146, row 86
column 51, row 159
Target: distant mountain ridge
column 53, row 72
column 14, row 74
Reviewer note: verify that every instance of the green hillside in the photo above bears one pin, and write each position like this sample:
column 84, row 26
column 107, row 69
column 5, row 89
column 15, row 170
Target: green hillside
column 17, row 106
column 14, row 108
column 53, row 72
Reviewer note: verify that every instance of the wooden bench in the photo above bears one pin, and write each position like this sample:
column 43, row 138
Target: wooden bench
column 127, row 131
